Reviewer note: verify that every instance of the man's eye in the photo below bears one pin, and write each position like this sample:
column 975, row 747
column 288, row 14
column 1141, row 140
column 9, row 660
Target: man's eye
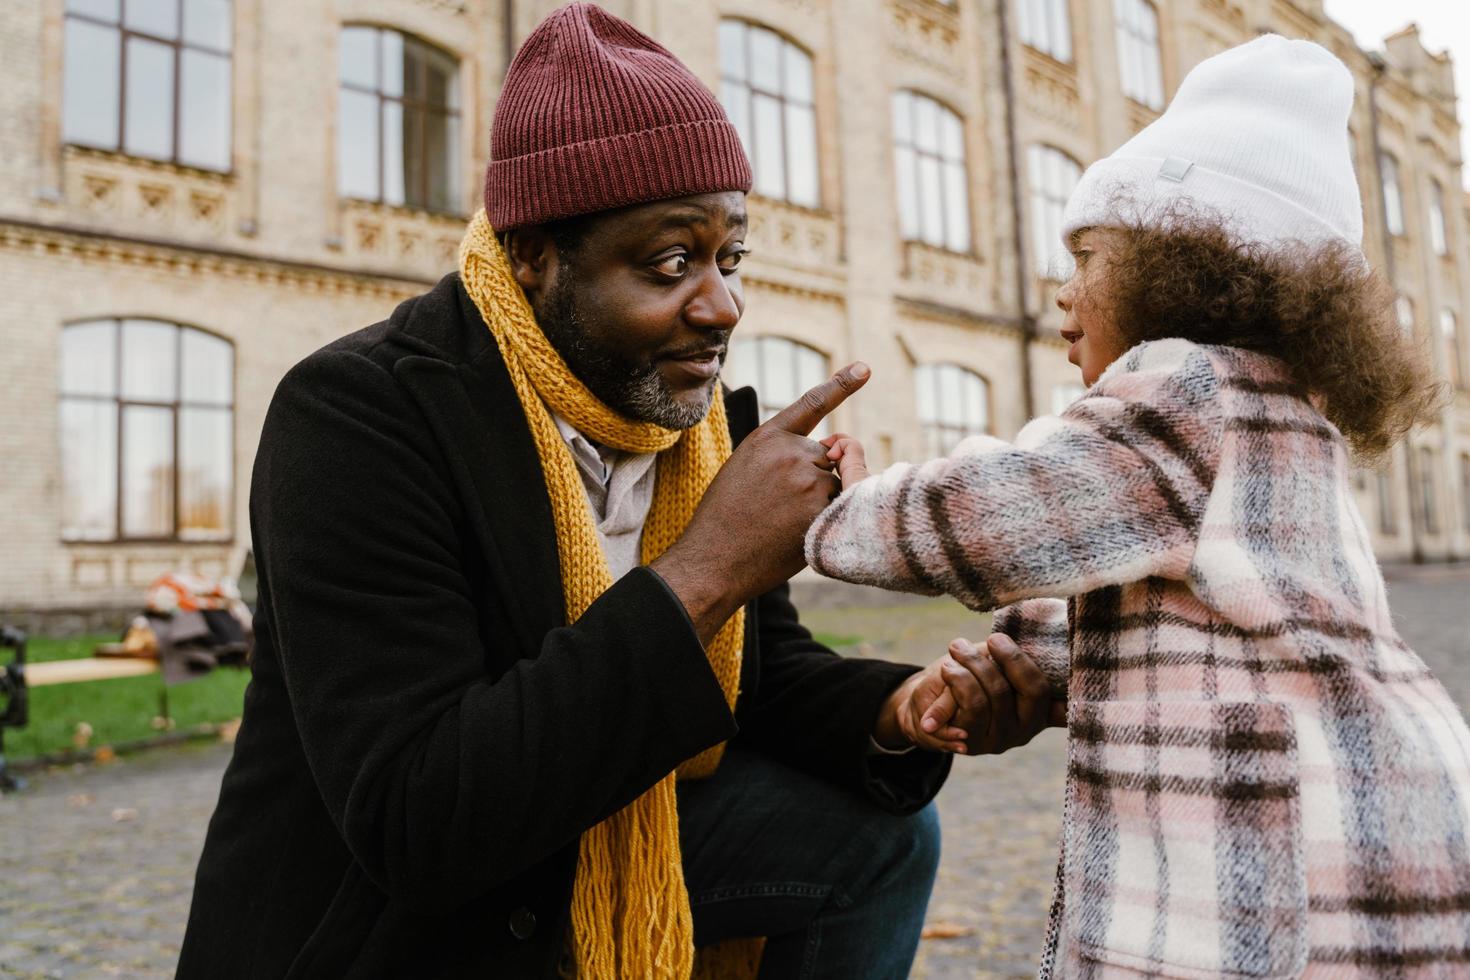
column 731, row 262
column 674, row 265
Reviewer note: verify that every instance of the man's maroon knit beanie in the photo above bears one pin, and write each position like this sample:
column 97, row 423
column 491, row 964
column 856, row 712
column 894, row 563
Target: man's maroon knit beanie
column 594, row 115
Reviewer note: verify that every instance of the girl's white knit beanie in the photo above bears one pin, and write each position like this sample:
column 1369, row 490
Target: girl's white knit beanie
column 1256, row 137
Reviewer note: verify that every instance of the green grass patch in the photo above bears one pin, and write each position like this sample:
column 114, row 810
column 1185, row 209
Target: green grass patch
column 120, row 710
column 836, row 640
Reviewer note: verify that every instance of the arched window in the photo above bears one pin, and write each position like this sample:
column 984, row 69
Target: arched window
column 1388, row 522
column 1449, row 328
column 1437, row 236
column 929, row 157
column 1393, row 199
column 780, row 370
column 397, row 121
column 147, row 432
column 1139, row 69
column 954, row 404
column 150, row 78
column 1053, row 175
column 766, row 87
column 1047, row 26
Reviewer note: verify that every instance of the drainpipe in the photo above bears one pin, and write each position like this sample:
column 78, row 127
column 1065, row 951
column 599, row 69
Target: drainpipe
column 1013, row 161
column 1380, row 67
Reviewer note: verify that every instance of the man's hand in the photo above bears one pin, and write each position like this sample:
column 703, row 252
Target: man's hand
column 995, row 694
column 746, row 536
column 850, row 457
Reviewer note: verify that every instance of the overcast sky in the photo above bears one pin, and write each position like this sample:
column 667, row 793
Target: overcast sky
column 1444, row 25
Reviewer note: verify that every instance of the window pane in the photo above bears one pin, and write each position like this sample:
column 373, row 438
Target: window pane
column 357, row 145
column 732, row 49
column 801, row 155
column 150, row 99
column 358, row 51
column 951, row 137
column 395, row 153
column 765, row 60
column 798, row 74
column 88, row 470
column 209, row 369
column 149, row 350
column 947, row 395
column 396, row 64
column 206, row 452
column 89, row 359
column 1061, row 31
column 736, row 100
column 147, row 471
column 924, row 390
column 957, row 209
column 931, row 208
column 439, row 76
column 769, row 178
column 908, row 192
column 101, row 9
column 777, row 374
column 903, row 129
column 93, row 70
column 207, row 22
column 204, row 102
column 811, row 370
column 442, row 150
column 157, row 17
column 926, row 125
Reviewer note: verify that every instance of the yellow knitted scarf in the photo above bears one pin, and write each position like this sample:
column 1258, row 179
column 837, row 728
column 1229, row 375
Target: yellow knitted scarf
column 630, row 909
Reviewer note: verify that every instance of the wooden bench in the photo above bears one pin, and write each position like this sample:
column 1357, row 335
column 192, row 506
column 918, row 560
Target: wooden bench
column 87, row 669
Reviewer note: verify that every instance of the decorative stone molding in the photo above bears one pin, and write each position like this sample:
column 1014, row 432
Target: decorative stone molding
column 1227, row 11
column 400, row 240
column 793, row 236
column 1139, row 115
column 445, row 6
column 925, row 31
column 79, row 245
column 158, row 199
column 1050, row 88
column 946, row 278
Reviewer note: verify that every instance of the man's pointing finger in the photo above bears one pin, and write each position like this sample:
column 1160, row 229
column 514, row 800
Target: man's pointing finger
column 807, row 412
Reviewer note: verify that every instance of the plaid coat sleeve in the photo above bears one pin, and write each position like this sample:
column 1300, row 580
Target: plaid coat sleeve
column 1040, row 627
column 1111, row 491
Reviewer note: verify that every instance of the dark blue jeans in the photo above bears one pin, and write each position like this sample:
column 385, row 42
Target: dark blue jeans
column 837, row 885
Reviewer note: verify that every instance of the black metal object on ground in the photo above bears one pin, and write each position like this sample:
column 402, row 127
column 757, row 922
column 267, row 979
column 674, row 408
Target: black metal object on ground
column 13, row 702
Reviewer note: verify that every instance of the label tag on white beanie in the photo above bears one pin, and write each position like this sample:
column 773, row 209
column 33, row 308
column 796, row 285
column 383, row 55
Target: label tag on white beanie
column 1175, row 168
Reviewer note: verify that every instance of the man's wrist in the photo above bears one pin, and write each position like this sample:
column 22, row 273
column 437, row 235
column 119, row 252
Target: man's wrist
column 707, row 603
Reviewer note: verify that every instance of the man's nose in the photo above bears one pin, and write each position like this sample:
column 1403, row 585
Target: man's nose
column 713, row 305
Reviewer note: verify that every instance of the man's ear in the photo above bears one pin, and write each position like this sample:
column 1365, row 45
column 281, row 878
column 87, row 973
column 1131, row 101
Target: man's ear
column 532, row 256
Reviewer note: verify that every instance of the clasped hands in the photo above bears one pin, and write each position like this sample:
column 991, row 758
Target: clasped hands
column 978, row 699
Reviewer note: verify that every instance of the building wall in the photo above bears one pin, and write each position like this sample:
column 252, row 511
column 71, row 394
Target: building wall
column 271, row 258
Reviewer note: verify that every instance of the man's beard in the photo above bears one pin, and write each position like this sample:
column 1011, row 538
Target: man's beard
column 635, row 390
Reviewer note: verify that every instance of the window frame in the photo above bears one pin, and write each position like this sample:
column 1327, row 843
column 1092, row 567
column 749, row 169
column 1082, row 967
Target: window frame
column 1428, row 499
column 947, row 213
column 177, row 46
column 175, row 408
column 1449, row 332
column 937, row 432
column 1130, row 38
column 1388, row 518
column 425, row 108
column 749, row 88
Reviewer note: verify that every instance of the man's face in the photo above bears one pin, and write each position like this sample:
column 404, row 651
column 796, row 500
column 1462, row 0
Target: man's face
column 642, row 306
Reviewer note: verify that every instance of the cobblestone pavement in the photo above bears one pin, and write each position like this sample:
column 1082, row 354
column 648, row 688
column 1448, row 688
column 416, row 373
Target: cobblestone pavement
column 96, row 862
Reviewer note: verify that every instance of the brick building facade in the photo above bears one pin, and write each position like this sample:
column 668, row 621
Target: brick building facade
column 194, row 197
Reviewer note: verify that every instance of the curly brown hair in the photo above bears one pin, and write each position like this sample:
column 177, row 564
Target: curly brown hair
column 1317, row 308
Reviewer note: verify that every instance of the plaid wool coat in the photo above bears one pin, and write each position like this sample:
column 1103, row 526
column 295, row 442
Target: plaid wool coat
column 1263, row 780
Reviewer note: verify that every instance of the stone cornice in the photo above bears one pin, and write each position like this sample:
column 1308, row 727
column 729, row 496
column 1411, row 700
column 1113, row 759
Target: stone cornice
column 19, row 235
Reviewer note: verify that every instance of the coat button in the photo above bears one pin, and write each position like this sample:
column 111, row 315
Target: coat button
column 523, row 923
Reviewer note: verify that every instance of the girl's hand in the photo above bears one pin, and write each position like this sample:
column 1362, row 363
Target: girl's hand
column 850, row 457
column 995, row 693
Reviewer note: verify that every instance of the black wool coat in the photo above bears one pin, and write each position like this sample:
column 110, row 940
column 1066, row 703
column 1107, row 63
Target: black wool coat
column 424, row 736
